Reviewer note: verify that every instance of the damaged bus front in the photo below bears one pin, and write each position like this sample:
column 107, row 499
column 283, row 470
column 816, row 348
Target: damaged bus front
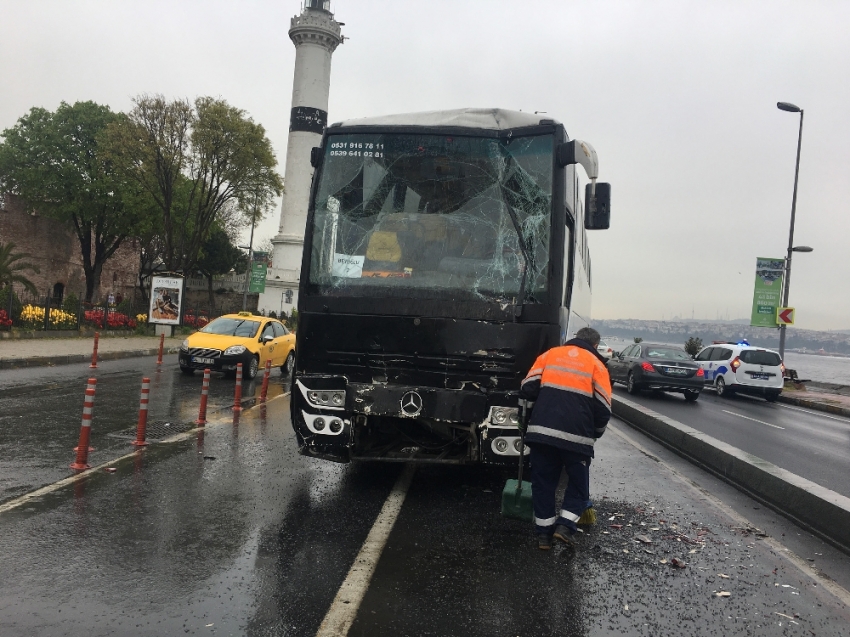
column 443, row 252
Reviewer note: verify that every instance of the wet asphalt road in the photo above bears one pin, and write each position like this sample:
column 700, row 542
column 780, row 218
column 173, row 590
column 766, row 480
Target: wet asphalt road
column 230, row 532
column 809, row 443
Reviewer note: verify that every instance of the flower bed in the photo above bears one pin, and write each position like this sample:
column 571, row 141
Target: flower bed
column 112, row 320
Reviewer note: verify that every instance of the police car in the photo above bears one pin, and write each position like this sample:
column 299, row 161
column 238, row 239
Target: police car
column 739, row 367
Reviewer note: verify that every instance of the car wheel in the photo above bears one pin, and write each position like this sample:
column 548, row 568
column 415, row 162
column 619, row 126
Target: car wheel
column 722, row 390
column 691, row 396
column 253, row 368
column 187, row 370
column 772, row 397
column 631, row 385
column 288, row 365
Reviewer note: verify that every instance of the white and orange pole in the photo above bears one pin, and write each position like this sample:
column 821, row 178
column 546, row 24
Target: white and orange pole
column 82, row 448
column 205, row 391
column 265, row 389
column 142, row 427
column 94, row 351
column 237, row 396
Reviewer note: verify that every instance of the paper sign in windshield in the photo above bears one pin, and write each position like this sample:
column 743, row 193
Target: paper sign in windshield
column 348, row 266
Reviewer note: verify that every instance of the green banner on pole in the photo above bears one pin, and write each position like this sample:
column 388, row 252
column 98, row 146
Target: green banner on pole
column 768, row 292
column 257, row 282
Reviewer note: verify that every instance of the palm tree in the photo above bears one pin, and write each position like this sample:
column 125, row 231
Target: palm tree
column 11, row 267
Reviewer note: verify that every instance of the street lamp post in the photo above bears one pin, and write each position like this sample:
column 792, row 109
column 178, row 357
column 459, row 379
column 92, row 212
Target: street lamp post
column 791, row 108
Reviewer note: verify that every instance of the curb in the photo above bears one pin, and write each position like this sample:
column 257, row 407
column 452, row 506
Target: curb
column 820, row 511
column 815, row 404
column 68, row 359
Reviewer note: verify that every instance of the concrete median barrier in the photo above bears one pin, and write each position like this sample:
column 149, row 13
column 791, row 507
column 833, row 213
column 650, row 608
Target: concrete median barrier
column 813, row 507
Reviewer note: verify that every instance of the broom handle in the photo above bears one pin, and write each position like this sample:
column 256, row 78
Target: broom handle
column 523, row 414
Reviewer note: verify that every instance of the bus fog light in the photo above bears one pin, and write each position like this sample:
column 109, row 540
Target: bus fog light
column 336, row 425
column 500, row 445
column 319, row 424
column 516, row 444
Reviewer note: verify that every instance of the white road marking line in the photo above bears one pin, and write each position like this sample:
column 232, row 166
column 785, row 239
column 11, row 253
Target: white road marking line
column 816, row 413
column 726, row 411
column 343, row 610
column 50, row 488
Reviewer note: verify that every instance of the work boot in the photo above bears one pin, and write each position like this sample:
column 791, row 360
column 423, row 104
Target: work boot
column 565, row 535
column 544, row 541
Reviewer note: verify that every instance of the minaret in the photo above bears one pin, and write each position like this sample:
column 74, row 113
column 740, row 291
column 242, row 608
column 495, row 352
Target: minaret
column 315, row 35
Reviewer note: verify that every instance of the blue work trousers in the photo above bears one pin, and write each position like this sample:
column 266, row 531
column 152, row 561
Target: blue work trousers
column 546, row 465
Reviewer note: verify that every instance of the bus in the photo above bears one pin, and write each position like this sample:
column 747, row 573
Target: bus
column 443, row 252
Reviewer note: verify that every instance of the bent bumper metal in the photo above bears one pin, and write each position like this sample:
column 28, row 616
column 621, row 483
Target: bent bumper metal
column 334, row 420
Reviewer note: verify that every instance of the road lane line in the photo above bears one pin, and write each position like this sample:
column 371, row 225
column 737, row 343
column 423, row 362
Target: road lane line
column 816, row 413
column 82, row 475
column 343, row 610
column 726, row 411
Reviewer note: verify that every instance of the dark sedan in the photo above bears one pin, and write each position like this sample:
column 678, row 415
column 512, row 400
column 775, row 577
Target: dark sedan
column 663, row 367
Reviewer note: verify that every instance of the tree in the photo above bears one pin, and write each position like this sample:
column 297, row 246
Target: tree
column 55, row 162
column 693, row 345
column 638, row 339
column 194, row 160
column 218, row 256
column 11, row 267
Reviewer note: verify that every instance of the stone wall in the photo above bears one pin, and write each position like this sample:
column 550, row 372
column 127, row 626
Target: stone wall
column 55, row 249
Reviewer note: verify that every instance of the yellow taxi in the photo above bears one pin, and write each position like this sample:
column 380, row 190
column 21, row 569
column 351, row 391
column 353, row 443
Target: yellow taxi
column 239, row 338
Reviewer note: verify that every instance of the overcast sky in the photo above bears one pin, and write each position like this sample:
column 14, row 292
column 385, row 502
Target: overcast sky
column 679, row 99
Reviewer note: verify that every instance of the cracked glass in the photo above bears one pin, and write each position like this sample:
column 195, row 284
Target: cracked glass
column 434, row 216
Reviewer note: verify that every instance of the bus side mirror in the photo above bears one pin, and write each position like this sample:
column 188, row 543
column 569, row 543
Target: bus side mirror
column 315, row 156
column 597, row 208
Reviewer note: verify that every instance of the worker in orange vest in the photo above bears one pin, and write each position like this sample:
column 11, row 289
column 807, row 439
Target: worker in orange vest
column 572, row 392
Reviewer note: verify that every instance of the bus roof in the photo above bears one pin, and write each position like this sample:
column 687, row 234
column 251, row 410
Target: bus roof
column 485, row 118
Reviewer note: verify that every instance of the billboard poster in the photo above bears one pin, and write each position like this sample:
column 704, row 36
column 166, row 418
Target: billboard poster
column 257, row 282
column 768, row 292
column 166, row 300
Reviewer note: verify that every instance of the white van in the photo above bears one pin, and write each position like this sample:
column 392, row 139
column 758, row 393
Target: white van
column 739, row 367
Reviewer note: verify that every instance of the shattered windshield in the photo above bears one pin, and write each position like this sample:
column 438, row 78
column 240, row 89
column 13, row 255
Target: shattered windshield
column 433, row 216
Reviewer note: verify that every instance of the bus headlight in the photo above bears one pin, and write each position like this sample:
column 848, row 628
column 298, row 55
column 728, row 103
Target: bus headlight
column 504, row 415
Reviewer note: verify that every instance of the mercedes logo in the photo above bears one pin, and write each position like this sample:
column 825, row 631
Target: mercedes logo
column 411, row 404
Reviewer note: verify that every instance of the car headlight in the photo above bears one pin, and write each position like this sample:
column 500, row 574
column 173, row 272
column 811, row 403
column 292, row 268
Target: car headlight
column 184, row 346
column 233, row 350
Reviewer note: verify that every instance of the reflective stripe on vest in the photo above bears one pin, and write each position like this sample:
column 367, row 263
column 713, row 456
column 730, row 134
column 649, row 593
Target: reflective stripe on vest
column 561, row 435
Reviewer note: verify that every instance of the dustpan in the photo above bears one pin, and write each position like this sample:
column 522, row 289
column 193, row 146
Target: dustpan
column 516, row 496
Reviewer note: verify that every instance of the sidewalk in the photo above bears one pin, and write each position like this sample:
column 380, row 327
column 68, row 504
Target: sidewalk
column 817, row 398
column 61, row 351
